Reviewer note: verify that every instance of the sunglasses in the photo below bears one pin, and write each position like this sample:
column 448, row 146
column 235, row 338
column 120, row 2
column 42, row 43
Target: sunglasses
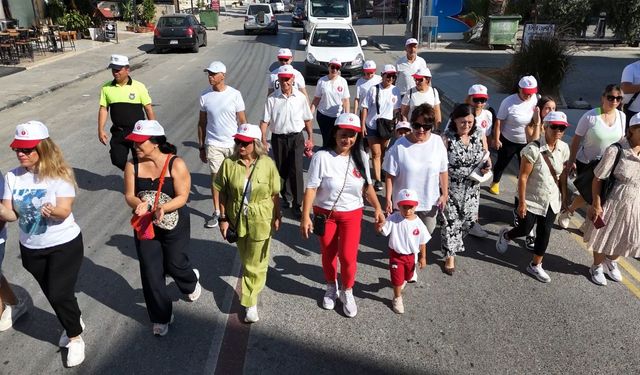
column 558, row 127
column 242, row 143
column 25, row 151
column 613, row 97
column 418, row 126
column 334, row 67
column 283, row 60
column 479, row 100
column 392, row 76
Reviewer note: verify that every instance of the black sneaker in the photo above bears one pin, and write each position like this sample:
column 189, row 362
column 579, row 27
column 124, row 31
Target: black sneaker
column 529, row 242
column 377, row 186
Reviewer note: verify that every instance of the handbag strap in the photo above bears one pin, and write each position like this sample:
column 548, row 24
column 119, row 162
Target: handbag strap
column 244, row 193
column 617, row 159
column 545, row 156
column 377, row 99
column 341, row 189
column 164, row 171
column 633, row 98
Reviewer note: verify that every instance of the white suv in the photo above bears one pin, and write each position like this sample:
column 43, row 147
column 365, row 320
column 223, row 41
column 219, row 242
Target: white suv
column 260, row 17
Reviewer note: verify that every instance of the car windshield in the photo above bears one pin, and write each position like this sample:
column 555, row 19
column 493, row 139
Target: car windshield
column 329, row 8
column 255, row 9
column 172, row 22
column 334, row 38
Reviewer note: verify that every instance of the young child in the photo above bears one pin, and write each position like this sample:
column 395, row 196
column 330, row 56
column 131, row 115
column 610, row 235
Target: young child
column 407, row 236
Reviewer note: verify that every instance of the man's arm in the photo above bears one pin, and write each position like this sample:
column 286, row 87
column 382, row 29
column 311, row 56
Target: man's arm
column 263, row 128
column 242, row 119
column 103, row 113
column 202, row 131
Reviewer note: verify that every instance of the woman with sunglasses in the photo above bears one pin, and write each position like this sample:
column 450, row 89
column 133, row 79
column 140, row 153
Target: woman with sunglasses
column 337, row 180
column 539, row 191
column 166, row 253
column 423, row 92
column 39, row 194
column 597, row 129
column 331, row 99
column 407, row 167
column 363, row 84
column 249, row 185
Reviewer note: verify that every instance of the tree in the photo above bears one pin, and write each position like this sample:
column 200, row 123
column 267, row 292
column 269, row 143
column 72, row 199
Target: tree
column 570, row 16
column 624, row 18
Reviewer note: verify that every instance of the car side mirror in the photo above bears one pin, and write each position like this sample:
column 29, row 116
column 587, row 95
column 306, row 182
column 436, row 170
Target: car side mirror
column 302, row 42
column 363, row 42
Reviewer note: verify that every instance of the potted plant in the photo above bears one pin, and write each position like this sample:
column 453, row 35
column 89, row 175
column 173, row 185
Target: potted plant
column 148, row 13
column 75, row 23
column 128, row 12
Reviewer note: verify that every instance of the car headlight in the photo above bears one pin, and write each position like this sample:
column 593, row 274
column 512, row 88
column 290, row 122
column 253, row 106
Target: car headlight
column 311, row 59
column 358, row 60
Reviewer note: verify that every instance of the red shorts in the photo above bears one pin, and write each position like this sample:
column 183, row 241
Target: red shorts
column 401, row 267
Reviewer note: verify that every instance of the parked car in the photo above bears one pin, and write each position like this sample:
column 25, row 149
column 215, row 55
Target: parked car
column 333, row 40
column 260, row 17
column 297, row 17
column 179, row 31
column 277, row 5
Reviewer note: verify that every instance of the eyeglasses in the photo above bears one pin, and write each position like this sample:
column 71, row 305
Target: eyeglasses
column 242, row 143
column 479, row 100
column 418, row 126
column 26, row 151
column 558, row 127
column 613, row 97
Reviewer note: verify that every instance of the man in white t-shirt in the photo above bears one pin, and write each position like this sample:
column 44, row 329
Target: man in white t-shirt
column 286, row 115
column 221, row 111
column 630, row 85
column 285, row 57
column 407, row 65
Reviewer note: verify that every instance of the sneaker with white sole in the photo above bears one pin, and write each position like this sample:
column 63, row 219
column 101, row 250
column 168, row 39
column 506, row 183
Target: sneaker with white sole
column 64, row 339
column 192, row 297
column 212, row 222
column 330, row 297
column 597, row 275
column 398, row 306
column 476, row 230
column 537, row 271
column 75, row 355
column 160, row 329
column 611, row 269
column 12, row 313
column 251, row 315
column 564, row 219
column 414, row 277
column 502, row 244
column 530, row 242
column 348, row 303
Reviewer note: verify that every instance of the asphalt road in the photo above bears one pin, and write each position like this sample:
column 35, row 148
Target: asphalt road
column 491, row 317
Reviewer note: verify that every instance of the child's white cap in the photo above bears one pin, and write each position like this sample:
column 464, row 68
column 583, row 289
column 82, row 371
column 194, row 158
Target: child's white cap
column 407, row 197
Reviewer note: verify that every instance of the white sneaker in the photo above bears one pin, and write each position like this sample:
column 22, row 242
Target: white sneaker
column 75, row 355
column 597, row 275
column 160, row 329
column 348, row 303
column 252, row 314
column 64, row 339
column 564, row 219
column 476, row 230
column 611, row 268
column 398, row 306
column 12, row 313
column 414, row 278
column 330, row 297
column 502, row 244
column 538, row 272
column 192, row 297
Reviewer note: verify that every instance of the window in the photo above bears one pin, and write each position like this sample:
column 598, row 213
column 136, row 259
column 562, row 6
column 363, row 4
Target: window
column 255, row 9
column 172, row 22
column 334, row 38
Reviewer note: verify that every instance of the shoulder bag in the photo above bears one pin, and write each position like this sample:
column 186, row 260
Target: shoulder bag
column 584, row 180
column 385, row 127
column 320, row 220
column 232, row 231
column 143, row 224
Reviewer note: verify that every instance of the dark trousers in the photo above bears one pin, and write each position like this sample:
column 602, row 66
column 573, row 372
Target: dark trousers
column 505, row 154
column 56, row 271
column 288, row 150
column 120, row 147
column 325, row 123
column 543, row 229
column 166, row 254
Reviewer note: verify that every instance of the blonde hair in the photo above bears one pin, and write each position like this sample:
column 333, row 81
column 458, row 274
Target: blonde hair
column 51, row 163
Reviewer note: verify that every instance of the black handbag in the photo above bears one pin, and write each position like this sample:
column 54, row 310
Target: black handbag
column 384, row 126
column 320, row 220
column 584, row 180
column 232, row 233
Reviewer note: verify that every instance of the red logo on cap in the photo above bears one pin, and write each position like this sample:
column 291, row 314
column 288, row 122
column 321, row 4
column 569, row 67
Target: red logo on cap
column 407, row 195
column 339, row 88
column 416, row 232
column 139, row 127
column 23, row 132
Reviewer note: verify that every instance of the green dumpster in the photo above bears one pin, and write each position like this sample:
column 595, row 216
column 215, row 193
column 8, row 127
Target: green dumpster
column 209, row 18
column 503, row 30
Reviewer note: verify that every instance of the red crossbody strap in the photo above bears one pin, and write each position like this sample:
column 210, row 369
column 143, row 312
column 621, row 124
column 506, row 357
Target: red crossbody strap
column 164, row 171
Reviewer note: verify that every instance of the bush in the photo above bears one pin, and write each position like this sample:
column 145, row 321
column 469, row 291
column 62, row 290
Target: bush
column 623, row 16
column 73, row 20
column 148, row 11
column 570, row 16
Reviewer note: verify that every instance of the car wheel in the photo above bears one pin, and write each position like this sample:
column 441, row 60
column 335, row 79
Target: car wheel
column 195, row 48
column 246, row 32
column 275, row 30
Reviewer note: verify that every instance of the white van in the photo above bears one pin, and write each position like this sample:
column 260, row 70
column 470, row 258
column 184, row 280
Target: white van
column 323, row 11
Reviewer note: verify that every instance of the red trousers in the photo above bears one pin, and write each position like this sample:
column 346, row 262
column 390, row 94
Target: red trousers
column 340, row 241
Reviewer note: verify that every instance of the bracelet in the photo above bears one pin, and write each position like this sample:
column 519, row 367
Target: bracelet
column 222, row 219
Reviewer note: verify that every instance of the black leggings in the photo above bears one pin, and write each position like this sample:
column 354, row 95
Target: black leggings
column 543, row 229
column 325, row 123
column 505, row 154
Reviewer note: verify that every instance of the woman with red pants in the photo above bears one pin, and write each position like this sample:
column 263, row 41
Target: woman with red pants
column 337, row 180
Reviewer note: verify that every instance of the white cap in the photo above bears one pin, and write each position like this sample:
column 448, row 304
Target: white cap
column 285, row 71
column 284, row 53
column 556, row 118
column 528, row 84
column 248, row 132
column 421, row 73
column 411, row 41
column 349, row 121
column 29, row 134
column 478, row 91
column 335, row 61
column 145, row 129
column 403, row 125
column 635, row 120
column 216, row 67
column 389, row 68
column 407, row 197
column 118, row 61
column 369, row 66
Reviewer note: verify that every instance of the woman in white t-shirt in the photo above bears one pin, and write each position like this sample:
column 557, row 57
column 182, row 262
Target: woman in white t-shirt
column 39, row 195
column 363, row 84
column 337, row 180
column 597, row 129
column 422, row 93
column 331, row 99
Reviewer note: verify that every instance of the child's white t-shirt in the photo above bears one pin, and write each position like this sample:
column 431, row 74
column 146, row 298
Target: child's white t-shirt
column 405, row 236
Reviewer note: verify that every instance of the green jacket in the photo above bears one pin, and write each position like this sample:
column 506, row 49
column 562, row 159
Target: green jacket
column 265, row 183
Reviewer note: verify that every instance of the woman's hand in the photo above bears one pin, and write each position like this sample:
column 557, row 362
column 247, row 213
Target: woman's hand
column 47, row 209
column 594, row 211
column 306, row 226
column 522, row 209
column 536, row 116
column 497, row 144
column 276, row 223
column 487, row 167
column 442, row 202
column 142, row 208
column 158, row 214
column 388, row 207
column 224, row 225
column 379, row 217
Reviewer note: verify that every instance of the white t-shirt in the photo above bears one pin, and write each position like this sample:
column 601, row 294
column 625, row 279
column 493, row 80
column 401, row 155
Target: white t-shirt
column 405, row 236
column 484, row 122
column 515, row 115
column 631, row 73
column 286, row 114
column 363, row 86
column 414, row 98
column 406, row 70
column 389, row 100
column 417, row 166
column 597, row 135
column 273, row 83
column 28, row 197
column 331, row 93
column 327, row 174
column 3, row 232
column 221, row 108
